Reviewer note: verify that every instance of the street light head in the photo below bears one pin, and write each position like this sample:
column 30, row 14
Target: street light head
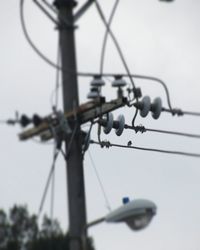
column 141, row 221
column 137, row 214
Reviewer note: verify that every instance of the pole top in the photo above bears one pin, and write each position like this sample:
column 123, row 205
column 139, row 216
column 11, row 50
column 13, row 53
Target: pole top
column 64, row 3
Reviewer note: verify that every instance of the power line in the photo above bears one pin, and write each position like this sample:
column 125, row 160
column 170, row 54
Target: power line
column 100, row 182
column 181, row 112
column 119, row 52
column 155, row 79
column 55, row 156
column 50, row 7
column 143, row 129
column 99, row 9
column 108, row 30
column 191, row 113
column 103, row 50
column 52, row 196
column 57, row 82
column 46, row 12
column 37, row 51
column 107, row 144
column 57, row 150
column 89, row 74
column 33, row 46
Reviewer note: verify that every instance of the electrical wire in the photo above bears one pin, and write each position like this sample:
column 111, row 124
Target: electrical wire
column 85, row 74
column 50, row 6
column 57, row 84
column 99, row 9
column 61, row 17
column 108, row 30
column 46, row 12
column 33, row 46
column 181, row 112
column 57, row 150
column 144, row 129
column 155, row 79
column 191, row 113
column 107, row 144
column 55, row 156
column 103, row 50
column 52, row 197
column 100, row 182
column 145, row 77
column 57, row 76
column 119, row 52
column 37, row 51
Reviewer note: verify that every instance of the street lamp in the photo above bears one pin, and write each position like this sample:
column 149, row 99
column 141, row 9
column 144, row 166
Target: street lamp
column 137, row 214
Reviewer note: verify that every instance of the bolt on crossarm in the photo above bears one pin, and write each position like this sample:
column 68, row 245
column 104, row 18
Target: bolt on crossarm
column 75, row 175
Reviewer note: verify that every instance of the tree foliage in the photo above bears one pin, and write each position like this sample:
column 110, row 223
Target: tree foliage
column 20, row 231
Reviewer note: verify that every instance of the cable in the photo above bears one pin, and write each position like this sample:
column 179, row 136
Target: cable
column 107, row 144
column 114, row 40
column 100, row 182
column 38, row 52
column 50, row 6
column 61, row 17
column 180, row 112
column 57, row 85
column 145, row 77
column 119, row 51
column 144, row 129
column 55, row 156
column 57, row 76
column 151, row 78
column 191, row 113
column 52, row 197
column 103, row 50
column 57, row 150
column 46, row 12
column 47, row 60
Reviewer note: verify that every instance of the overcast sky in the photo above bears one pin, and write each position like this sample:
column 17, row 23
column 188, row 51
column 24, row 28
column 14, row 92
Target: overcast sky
column 158, row 39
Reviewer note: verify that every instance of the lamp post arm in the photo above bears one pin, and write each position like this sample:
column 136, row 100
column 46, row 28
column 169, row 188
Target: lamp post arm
column 95, row 222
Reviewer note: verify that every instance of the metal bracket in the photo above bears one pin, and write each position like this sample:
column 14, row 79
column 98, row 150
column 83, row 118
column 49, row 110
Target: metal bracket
column 82, row 10
column 85, row 113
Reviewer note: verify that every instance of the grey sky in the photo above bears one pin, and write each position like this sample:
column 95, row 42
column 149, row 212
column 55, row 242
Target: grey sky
column 157, row 39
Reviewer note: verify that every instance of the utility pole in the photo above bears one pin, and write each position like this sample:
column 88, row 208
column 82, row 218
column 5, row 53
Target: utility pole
column 74, row 167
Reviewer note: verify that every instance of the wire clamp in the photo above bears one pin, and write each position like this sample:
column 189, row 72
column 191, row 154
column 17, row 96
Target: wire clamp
column 105, row 144
column 140, row 128
column 63, row 123
column 177, row 112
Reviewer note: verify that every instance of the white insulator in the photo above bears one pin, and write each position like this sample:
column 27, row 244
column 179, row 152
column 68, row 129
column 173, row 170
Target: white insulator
column 156, row 108
column 109, row 124
column 119, row 82
column 97, row 82
column 120, row 124
column 94, row 93
column 145, row 106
